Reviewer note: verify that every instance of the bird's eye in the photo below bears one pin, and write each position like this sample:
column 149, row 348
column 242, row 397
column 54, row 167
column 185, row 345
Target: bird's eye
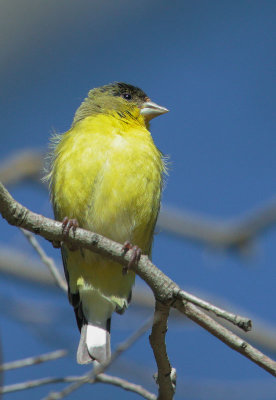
column 127, row 96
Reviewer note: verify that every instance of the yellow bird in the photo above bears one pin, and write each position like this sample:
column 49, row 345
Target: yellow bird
column 106, row 176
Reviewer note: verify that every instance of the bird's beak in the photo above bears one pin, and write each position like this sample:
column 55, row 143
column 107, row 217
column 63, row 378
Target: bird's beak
column 151, row 110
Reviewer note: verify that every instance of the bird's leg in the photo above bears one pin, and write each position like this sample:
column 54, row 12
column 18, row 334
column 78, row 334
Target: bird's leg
column 135, row 256
column 68, row 224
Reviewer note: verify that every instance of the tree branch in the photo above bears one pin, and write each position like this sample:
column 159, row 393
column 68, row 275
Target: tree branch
column 16, row 387
column 242, row 322
column 49, row 262
column 126, row 385
column 164, row 289
column 103, row 378
column 26, row 362
column 222, row 234
column 18, row 265
column 228, row 337
column 166, row 376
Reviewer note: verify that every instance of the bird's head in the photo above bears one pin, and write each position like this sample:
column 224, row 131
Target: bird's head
column 120, row 98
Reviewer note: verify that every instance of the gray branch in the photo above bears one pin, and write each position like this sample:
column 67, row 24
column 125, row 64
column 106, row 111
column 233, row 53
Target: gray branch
column 164, row 289
column 103, row 378
column 166, row 375
column 26, row 362
column 222, row 234
column 49, row 262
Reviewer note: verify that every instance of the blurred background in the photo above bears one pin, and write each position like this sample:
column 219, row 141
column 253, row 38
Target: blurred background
column 213, row 64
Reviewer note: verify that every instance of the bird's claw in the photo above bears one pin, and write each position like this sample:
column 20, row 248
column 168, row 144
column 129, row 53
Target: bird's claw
column 135, row 256
column 68, row 224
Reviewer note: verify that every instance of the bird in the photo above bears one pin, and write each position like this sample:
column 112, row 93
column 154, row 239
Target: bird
column 106, row 175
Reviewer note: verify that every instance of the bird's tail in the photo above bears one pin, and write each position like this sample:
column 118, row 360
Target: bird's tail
column 93, row 314
column 94, row 343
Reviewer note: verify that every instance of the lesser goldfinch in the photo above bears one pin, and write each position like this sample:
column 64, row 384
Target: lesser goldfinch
column 106, row 174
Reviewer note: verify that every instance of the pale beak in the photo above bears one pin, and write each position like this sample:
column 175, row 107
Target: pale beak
column 151, row 110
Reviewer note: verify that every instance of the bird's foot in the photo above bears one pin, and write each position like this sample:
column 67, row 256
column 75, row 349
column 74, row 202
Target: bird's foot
column 135, row 256
column 68, row 224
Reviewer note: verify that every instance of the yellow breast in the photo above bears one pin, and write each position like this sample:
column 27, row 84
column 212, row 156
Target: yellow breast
column 107, row 173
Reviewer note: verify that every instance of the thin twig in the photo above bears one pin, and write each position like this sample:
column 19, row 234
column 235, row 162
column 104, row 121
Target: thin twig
column 228, row 337
column 100, row 368
column 241, row 322
column 164, row 289
column 166, row 376
column 102, row 378
column 49, row 262
column 26, row 362
column 36, row 383
column 124, row 384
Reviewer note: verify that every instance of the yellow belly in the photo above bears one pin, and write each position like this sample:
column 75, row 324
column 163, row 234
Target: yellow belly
column 109, row 180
